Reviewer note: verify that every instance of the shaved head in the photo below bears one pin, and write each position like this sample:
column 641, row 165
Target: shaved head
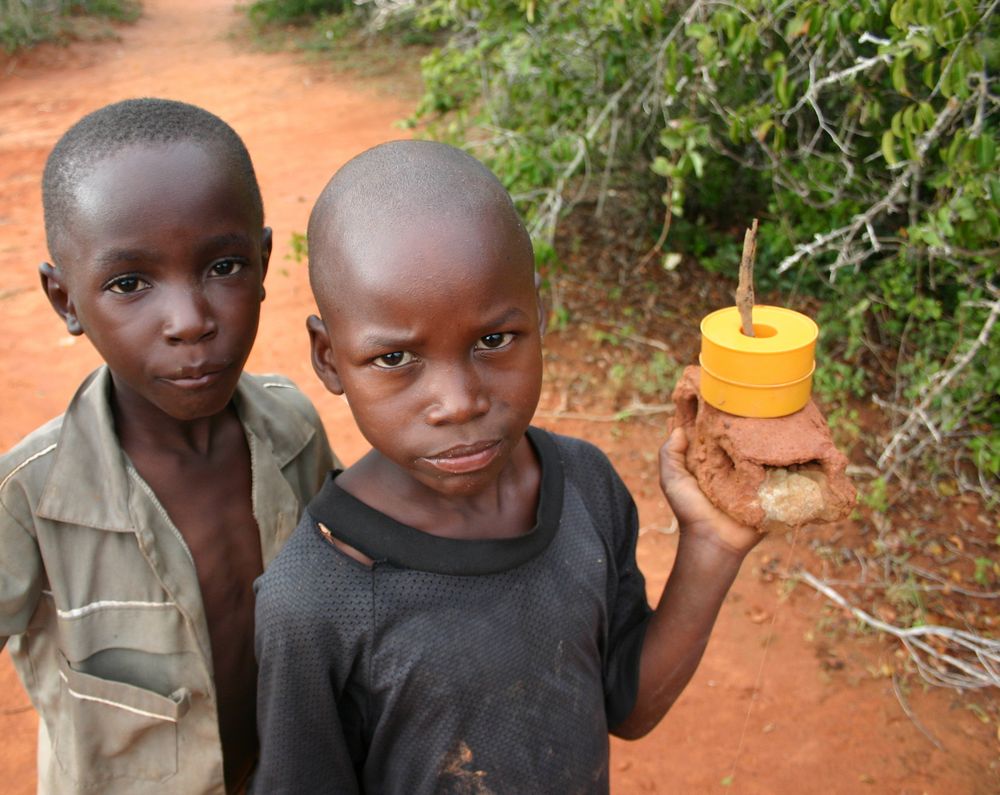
column 402, row 190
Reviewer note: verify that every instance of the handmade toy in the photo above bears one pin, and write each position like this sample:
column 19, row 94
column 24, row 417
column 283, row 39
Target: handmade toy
column 759, row 447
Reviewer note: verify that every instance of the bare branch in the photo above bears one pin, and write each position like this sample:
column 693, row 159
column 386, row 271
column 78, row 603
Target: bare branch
column 933, row 665
column 917, row 414
column 846, row 234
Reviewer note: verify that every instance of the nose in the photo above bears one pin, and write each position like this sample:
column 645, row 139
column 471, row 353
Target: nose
column 458, row 396
column 189, row 317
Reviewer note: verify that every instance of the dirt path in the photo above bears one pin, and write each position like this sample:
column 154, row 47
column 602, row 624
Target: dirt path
column 823, row 719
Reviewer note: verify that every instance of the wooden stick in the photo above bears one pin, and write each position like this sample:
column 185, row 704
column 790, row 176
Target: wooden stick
column 744, row 292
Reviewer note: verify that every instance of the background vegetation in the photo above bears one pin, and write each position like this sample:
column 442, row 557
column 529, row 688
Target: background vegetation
column 27, row 22
column 639, row 140
column 863, row 135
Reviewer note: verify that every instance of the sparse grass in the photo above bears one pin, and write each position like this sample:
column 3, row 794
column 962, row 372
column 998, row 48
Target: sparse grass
column 24, row 23
column 347, row 43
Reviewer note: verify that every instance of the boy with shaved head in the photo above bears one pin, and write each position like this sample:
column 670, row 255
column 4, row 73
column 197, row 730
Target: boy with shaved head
column 461, row 611
column 133, row 526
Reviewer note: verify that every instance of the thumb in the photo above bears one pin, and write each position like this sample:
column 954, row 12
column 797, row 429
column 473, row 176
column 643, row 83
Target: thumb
column 673, row 463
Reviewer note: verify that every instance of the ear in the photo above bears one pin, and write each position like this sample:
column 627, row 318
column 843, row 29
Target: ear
column 266, row 242
column 543, row 315
column 322, row 355
column 54, row 286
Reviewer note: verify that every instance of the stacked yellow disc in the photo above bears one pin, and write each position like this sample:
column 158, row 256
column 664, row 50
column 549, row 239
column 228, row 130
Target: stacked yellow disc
column 767, row 375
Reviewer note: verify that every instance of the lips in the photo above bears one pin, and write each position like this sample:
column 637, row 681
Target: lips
column 196, row 376
column 466, row 458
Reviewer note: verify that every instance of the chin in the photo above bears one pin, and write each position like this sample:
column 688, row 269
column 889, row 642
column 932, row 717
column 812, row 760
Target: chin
column 195, row 410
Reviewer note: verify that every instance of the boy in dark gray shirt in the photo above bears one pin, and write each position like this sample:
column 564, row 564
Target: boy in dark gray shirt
column 460, row 611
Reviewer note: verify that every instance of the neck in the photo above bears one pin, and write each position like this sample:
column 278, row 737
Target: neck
column 505, row 507
column 142, row 426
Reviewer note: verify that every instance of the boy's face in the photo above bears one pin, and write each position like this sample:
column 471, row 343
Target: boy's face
column 433, row 335
column 162, row 262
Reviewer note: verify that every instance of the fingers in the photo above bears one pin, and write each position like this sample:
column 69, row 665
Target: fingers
column 673, row 465
column 672, row 456
column 678, row 440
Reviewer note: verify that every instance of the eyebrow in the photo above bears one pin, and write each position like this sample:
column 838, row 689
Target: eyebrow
column 118, row 256
column 387, row 340
column 382, row 340
column 514, row 313
column 226, row 239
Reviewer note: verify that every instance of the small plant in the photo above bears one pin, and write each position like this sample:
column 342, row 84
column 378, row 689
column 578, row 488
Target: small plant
column 298, row 248
column 875, row 496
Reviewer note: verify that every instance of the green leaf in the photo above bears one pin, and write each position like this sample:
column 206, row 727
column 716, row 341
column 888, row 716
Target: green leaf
column 986, row 150
column 896, row 14
column 772, row 60
column 896, row 125
column 922, row 46
column 929, row 74
column 697, row 163
column 781, row 85
column 898, row 75
column 661, row 166
column 889, row 148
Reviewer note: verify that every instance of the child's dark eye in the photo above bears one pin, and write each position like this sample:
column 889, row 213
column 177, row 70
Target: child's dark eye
column 127, row 284
column 226, row 267
column 493, row 341
column 389, row 361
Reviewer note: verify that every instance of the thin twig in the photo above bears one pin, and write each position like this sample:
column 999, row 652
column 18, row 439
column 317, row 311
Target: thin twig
column 886, row 203
column 984, row 671
column 668, row 214
column 744, row 291
column 913, row 718
column 918, row 414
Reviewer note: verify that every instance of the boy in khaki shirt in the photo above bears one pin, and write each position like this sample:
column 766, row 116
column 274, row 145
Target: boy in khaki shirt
column 132, row 527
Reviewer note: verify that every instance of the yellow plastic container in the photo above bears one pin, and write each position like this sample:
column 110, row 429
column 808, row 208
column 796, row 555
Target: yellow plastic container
column 768, row 375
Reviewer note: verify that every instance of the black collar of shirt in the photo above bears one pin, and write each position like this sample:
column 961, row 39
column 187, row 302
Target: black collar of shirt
column 385, row 540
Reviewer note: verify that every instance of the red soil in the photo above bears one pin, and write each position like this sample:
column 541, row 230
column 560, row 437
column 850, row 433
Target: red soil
column 808, row 711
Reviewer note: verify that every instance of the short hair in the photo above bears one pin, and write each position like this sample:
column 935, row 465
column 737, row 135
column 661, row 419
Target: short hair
column 391, row 180
column 131, row 122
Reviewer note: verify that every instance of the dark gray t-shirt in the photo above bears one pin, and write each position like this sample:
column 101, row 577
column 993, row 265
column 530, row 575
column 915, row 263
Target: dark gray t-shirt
column 453, row 666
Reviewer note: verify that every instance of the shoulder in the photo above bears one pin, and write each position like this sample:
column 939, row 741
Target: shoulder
column 582, row 460
column 308, row 585
column 305, row 567
column 273, row 408
column 590, row 474
column 578, row 448
column 24, row 468
column 278, row 391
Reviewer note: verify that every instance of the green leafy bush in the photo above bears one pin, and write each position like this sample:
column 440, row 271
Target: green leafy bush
column 863, row 134
column 294, row 11
column 27, row 22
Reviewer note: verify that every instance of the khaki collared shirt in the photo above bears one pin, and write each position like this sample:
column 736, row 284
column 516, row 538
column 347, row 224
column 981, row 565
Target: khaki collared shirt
column 100, row 600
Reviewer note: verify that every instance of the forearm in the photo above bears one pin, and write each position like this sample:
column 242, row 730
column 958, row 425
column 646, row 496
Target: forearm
column 679, row 629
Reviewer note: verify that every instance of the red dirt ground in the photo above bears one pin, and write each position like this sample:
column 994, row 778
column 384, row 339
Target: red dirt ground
column 824, row 716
